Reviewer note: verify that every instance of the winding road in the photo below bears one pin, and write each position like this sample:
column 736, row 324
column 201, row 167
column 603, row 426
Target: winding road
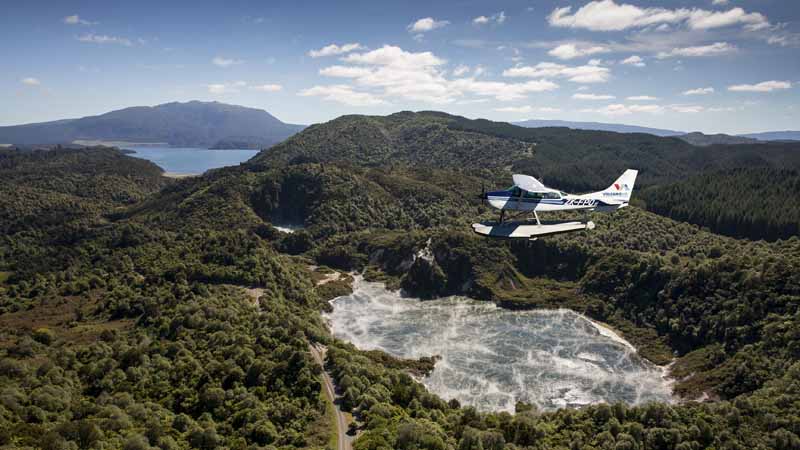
column 344, row 441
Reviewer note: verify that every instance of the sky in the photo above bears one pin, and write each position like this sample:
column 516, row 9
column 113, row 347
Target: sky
column 730, row 66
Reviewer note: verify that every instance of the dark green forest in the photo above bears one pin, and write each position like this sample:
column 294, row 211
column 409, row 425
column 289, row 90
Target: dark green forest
column 747, row 203
column 140, row 312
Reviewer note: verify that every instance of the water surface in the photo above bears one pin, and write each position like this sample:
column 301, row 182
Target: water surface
column 492, row 358
column 184, row 160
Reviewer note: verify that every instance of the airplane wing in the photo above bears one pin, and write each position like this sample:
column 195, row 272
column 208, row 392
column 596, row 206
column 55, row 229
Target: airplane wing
column 528, row 183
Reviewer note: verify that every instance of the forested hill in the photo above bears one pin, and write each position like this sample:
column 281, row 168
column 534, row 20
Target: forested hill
column 190, row 124
column 755, row 203
column 179, row 317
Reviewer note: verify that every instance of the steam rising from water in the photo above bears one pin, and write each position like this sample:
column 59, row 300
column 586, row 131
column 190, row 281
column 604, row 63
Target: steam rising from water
column 492, row 358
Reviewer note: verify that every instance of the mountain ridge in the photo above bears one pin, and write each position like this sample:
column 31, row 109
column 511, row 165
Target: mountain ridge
column 188, row 124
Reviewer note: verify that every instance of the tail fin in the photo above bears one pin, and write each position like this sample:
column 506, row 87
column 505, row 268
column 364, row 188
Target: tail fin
column 622, row 188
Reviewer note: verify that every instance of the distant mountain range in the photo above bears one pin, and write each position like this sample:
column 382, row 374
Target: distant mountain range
column 598, row 126
column 190, row 124
column 775, row 136
column 695, row 138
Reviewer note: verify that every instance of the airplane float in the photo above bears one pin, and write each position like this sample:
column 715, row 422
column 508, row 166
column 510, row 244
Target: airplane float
column 529, row 195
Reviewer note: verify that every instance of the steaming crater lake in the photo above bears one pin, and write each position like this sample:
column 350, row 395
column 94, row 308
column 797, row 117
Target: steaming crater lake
column 185, row 160
column 491, row 357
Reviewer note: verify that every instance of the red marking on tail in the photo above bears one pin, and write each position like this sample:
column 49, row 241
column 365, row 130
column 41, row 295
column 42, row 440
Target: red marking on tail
column 616, row 186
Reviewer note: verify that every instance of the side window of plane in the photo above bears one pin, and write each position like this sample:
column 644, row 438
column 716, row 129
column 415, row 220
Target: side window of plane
column 552, row 195
column 533, row 195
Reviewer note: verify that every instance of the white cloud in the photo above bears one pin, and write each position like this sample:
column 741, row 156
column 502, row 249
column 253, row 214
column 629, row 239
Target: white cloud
column 500, row 90
column 345, row 71
column 515, row 109
column 703, row 20
column 479, row 70
column 687, row 109
column 221, row 88
column 547, row 109
column 570, row 51
column 527, row 109
column 391, row 72
column 104, row 39
column 76, row 20
column 498, row 18
column 717, row 48
column 333, row 49
column 593, row 97
column 619, row 109
column 461, row 70
column 719, row 2
column 607, row 15
column 643, row 98
column 699, row 91
column 267, row 87
column 577, row 74
column 426, row 24
column 30, row 81
column 225, row 62
column 634, row 60
column 344, row 94
column 389, row 55
column 765, row 86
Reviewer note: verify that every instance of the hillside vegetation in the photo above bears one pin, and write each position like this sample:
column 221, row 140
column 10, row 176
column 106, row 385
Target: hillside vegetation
column 134, row 330
column 747, row 203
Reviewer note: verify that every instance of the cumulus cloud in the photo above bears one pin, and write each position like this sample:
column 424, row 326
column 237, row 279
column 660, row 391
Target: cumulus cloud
column 717, row 48
column 76, row 20
column 764, row 86
column 225, row 62
column 498, row 18
column 30, row 81
column 390, row 72
column 699, row 91
column 593, row 97
column 607, row 15
column 642, row 98
column 461, row 70
column 634, row 60
column 570, row 51
column 427, row 24
column 333, row 49
column 389, row 55
column 577, row 74
column 104, row 39
column 342, row 93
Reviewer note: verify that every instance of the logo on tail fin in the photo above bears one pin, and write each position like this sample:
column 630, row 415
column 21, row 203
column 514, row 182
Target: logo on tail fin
column 616, row 186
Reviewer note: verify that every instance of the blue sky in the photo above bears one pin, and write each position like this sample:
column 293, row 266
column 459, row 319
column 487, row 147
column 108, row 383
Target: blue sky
column 712, row 65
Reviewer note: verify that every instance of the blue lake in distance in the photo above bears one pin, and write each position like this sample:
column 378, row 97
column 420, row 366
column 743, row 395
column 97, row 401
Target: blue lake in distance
column 178, row 160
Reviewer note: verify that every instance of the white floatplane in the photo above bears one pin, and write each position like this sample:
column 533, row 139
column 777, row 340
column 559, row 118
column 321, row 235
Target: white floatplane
column 529, row 195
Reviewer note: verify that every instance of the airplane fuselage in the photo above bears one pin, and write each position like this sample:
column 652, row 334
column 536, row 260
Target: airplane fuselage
column 513, row 200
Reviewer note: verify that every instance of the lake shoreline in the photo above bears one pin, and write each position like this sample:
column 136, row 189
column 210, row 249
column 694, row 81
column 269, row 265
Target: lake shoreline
column 580, row 374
